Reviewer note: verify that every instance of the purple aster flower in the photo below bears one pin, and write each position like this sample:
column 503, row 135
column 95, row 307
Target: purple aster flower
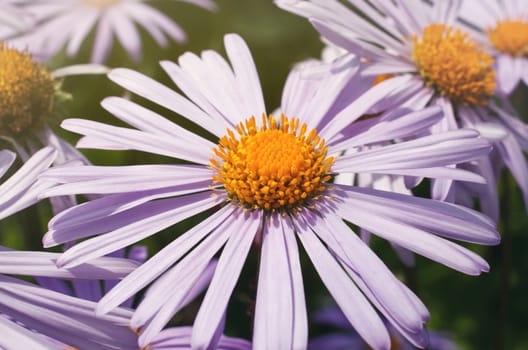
column 119, row 17
column 344, row 338
column 503, row 28
column 266, row 181
column 417, row 39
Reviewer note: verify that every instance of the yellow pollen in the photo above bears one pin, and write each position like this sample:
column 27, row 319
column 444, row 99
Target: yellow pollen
column 510, row 37
column 26, row 92
column 274, row 167
column 454, row 64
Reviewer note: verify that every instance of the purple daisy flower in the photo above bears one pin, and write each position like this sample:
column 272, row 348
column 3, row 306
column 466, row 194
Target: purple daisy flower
column 419, row 40
column 119, row 17
column 503, row 28
column 266, row 181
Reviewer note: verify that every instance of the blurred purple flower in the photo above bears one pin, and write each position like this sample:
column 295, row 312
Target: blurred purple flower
column 119, row 17
column 270, row 196
column 503, row 27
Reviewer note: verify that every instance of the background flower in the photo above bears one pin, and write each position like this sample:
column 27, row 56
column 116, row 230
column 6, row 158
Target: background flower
column 503, row 28
column 110, row 17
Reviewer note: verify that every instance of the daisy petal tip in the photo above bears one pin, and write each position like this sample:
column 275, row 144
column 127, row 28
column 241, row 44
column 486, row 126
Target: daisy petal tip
column 108, row 101
column 60, row 264
column 66, row 262
column 285, row 2
column 145, row 339
column 232, row 37
column 117, row 73
column 102, row 308
column 48, row 241
column 495, row 239
column 479, row 179
column 164, row 63
column 137, row 321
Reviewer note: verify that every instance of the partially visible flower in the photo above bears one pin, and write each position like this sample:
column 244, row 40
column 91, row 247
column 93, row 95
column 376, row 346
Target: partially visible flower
column 343, row 337
column 446, row 67
column 266, row 181
column 503, row 28
column 110, row 17
column 29, row 100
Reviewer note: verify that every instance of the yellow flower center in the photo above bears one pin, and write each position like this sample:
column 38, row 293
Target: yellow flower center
column 102, row 4
column 26, row 92
column 510, row 37
column 454, row 64
column 275, row 167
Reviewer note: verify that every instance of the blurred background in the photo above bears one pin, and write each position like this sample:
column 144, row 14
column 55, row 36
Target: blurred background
column 485, row 312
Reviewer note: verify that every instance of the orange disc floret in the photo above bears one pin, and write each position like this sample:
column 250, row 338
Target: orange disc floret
column 510, row 37
column 26, row 92
column 451, row 62
column 275, row 166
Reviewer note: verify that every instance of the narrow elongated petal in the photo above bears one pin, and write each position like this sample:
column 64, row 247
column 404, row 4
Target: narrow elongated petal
column 280, row 296
column 226, row 275
column 160, row 262
column 360, row 313
column 44, row 264
column 163, row 214
column 15, row 336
